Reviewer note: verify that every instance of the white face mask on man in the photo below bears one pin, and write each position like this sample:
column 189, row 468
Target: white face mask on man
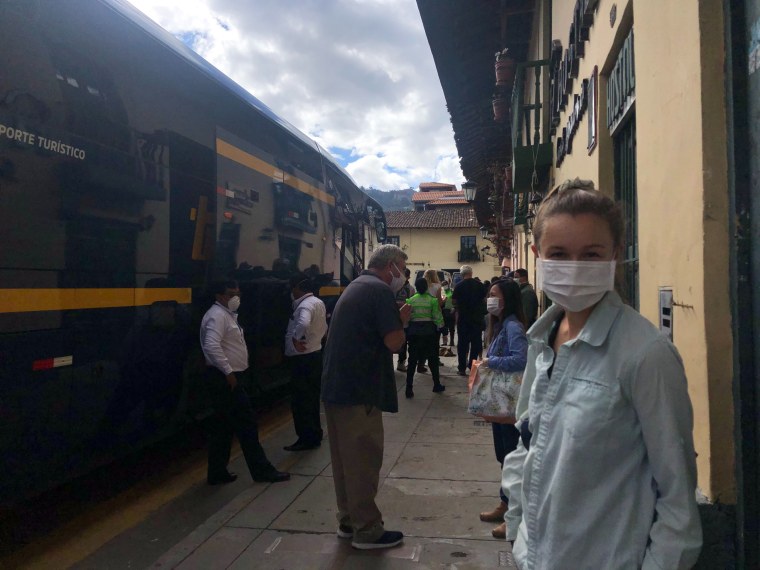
column 397, row 281
column 576, row 285
column 233, row 304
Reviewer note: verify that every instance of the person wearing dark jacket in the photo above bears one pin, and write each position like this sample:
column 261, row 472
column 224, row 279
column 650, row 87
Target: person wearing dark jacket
column 469, row 300
column 529, row 298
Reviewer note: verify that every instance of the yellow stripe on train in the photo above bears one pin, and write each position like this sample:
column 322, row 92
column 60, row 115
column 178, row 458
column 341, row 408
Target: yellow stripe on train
column 34, row 300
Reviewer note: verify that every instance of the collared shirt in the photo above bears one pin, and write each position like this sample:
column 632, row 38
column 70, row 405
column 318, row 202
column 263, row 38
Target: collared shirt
column 610, row 477
column 308, row 322
column 222, row 340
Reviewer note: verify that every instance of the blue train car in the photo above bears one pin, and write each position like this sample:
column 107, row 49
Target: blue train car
column 132, row 173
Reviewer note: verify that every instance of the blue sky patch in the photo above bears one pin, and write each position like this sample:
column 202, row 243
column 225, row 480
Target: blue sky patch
column 343, row 155
column 190, row 38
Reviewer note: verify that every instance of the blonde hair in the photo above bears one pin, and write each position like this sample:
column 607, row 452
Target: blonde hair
column 431, row 276
column 576, row 197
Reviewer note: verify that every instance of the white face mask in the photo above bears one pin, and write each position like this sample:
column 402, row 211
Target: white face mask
column 397, row 282
column 233, row 304
column 576, row 285
column 493, row 305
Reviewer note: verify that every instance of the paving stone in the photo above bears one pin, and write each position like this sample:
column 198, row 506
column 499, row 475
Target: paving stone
column 266, row 507
column 438, row 509
column 312, row 462
column 221, row 549
column 440, row 554
column 455, row 462
column 452, row 406
column 312, row 511
column 469, row 431
column 184, row 548
column 282, row 551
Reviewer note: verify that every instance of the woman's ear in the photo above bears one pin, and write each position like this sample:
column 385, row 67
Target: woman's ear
column 534, row 249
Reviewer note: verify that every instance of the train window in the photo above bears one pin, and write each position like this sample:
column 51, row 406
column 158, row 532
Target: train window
column 294, row 209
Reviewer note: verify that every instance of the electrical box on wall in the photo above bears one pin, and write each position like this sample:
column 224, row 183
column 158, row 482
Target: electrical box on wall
column 666, row 312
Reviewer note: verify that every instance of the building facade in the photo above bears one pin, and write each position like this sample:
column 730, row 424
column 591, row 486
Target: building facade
column 442, row 239
column 653, row 102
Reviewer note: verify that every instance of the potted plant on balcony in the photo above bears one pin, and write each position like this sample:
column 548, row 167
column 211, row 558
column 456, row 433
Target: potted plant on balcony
column 500, row 107
column 505, row 68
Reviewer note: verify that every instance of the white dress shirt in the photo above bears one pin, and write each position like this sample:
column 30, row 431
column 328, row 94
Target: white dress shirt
column 308, row 323
column 222, row 340
column 609, row 479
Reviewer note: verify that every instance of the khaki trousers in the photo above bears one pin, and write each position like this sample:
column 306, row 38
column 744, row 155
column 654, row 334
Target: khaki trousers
column 356, row 450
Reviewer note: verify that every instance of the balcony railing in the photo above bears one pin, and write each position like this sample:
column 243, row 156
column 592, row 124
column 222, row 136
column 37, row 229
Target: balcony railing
column 531, row 146
column 464, row 255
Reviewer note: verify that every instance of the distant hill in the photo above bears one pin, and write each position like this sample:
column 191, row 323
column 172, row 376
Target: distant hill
column 392, row 200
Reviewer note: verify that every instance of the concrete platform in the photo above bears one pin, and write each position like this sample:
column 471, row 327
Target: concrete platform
column 439, row 472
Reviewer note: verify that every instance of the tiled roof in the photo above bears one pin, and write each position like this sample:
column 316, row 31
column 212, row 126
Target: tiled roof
column 456, row 201
column 440, row 185
column 444, row 218
column 429, row 196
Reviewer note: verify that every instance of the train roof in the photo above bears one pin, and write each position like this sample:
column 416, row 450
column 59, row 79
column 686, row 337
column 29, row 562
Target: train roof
column 130, row 12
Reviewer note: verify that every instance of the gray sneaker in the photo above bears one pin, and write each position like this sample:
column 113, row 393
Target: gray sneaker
column 389, row 539
column 345, row 531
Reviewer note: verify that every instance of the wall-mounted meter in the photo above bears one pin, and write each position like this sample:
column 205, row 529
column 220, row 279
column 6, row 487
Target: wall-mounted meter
column 666, row 312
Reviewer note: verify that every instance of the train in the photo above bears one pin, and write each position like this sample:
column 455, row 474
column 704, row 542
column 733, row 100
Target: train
column 132, row 174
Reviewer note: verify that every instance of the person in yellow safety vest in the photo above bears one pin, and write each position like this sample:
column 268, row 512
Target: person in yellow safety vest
column 422, row 334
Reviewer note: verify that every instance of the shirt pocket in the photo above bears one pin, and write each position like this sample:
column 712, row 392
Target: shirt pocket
column 585, row 409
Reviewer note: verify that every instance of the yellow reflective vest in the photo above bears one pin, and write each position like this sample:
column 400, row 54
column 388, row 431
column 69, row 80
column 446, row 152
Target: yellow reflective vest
column 425, row 308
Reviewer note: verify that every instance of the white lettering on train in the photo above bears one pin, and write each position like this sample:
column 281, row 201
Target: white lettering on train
column 32, row 139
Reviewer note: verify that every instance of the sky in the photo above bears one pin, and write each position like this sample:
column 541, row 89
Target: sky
column 355, row 75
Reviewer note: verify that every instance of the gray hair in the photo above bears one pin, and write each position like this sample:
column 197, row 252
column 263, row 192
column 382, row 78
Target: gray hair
column 385, row 255
column 465, row 270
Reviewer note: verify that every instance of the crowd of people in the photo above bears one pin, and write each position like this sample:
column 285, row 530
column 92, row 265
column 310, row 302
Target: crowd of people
column 598, row 469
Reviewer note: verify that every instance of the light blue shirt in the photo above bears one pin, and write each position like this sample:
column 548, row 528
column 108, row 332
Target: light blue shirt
column 609, row 481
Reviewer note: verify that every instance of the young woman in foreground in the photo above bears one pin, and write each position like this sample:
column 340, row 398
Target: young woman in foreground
column 604, row 475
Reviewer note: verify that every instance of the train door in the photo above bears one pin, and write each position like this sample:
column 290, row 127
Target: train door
column 193, row 211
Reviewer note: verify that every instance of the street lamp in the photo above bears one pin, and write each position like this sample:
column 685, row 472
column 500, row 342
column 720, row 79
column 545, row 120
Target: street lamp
column 483, row 232
column 469, row 188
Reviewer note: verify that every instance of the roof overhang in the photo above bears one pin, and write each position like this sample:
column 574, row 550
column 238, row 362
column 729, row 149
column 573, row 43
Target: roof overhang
column 464, row 38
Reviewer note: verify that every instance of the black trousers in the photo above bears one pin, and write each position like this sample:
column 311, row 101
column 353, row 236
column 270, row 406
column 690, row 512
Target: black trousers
column 233, row 414
column 306, row 385
column 421, row 347
column 470, row 342
column 505, row 438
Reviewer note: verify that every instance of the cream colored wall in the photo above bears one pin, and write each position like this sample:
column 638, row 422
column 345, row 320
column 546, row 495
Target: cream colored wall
column 438, row 248
column 682, row 189
column 683, row 210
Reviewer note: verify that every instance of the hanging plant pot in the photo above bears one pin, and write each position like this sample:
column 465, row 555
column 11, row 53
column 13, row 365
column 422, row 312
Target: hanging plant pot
column 500, row 109
column 505, row 70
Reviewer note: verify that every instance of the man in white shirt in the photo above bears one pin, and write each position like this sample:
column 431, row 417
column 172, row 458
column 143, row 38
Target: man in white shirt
column 226, row 355
column 303, row 345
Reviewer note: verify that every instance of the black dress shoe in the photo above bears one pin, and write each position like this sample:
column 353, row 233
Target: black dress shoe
column 221, row 479
column 272, row 476
column 302, row 446
column 439, row 388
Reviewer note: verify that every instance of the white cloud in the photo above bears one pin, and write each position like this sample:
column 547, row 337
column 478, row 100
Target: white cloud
column 353, row 74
